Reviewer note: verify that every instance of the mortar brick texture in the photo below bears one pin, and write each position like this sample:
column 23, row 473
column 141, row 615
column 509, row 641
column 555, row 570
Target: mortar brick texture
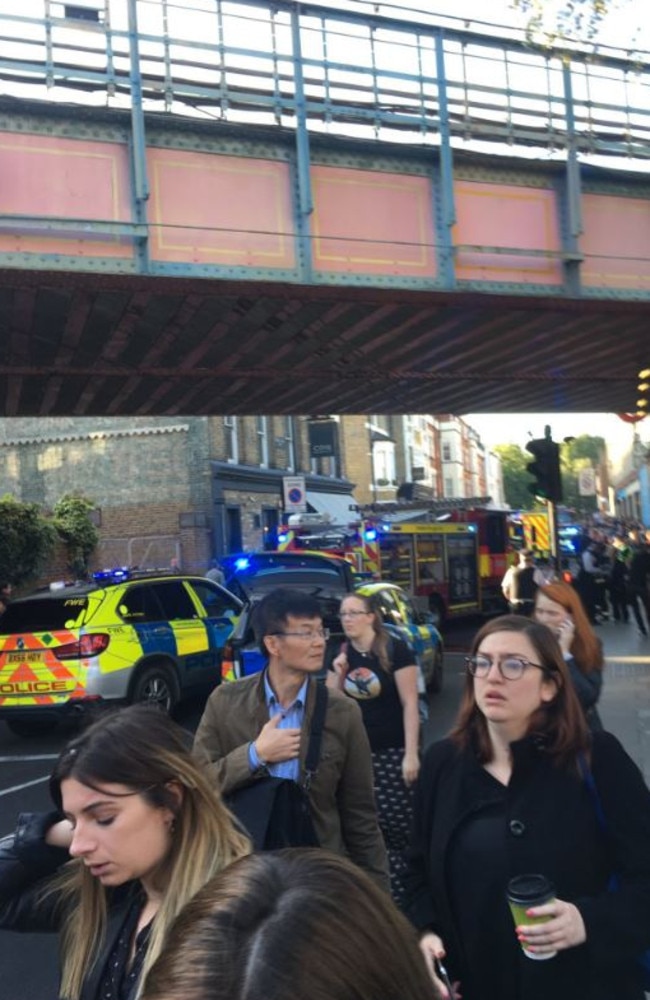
column 142, row 473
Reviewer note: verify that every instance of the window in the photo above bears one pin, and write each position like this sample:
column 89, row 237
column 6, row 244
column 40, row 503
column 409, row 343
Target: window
column 139, row 604
column 176, row 602
column 263, row 440
column 446, row 453
column 43, row 614
column 230, row 434
column 216, row 601
column 290, row 462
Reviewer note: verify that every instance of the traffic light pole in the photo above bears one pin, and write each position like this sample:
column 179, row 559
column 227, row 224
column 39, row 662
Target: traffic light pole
column 551, row 510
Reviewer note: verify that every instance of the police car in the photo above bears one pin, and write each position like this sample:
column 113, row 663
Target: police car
column 125, row 637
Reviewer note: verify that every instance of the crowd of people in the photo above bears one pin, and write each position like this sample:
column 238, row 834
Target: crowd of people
column 162, row 890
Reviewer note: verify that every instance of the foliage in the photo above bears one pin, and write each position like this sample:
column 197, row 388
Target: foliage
column 566, row 20
column 26, row 540
column 581, row 453
column 76, row 531
column 515, row 478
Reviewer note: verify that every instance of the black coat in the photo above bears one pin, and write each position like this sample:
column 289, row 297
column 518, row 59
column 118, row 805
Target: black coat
column 26, row 865
column 550, row 827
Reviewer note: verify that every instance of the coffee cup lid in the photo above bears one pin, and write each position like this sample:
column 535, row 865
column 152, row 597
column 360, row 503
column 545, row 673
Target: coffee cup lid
column 526, row 888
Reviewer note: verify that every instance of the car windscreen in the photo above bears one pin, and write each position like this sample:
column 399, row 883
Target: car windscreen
column 42, row 614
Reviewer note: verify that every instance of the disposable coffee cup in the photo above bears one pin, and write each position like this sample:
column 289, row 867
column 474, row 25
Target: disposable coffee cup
column 524, row 892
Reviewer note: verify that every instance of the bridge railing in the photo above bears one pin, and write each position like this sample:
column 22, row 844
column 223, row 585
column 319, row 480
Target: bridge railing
column 343, row 73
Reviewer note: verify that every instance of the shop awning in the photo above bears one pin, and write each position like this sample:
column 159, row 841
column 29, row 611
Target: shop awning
column 340, row 507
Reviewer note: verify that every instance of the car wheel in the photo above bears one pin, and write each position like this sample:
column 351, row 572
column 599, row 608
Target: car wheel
column 437, row 609
column 156, row 685
column 31, row 727
column 437, row 676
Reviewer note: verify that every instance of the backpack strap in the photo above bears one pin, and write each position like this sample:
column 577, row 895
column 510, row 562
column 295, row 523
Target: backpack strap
column 315, row 735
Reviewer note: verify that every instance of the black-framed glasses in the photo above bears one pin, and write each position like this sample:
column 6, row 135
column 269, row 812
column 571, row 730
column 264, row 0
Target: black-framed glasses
column 314, row 635
column 511, row 668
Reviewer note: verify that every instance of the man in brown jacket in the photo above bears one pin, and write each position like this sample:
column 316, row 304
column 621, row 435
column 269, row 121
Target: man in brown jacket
column 260, row 725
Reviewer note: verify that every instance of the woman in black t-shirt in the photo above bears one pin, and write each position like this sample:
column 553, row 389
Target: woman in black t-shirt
column 379, row 672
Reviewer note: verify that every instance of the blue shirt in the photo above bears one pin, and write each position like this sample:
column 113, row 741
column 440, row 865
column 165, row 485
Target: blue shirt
column 291, row 718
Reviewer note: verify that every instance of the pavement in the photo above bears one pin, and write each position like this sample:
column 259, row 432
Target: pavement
column 625, row 701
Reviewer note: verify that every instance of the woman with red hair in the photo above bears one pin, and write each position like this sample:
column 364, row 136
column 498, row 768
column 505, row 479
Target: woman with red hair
column 558, row 606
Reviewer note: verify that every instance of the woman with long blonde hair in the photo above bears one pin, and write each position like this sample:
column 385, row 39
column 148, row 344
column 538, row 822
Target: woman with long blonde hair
column 145, row 831
column 558, row 605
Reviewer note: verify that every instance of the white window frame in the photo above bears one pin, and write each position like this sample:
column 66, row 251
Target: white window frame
column 231, row 436
column 263, row 441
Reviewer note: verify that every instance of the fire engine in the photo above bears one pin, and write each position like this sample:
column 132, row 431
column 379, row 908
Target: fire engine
column 453, row 553
column 530, row 530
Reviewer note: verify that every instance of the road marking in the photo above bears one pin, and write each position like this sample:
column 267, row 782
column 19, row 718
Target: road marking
column 28, row 757
column 27, row 784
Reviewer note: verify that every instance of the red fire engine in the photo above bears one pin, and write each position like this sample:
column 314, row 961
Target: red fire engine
column 451, row 552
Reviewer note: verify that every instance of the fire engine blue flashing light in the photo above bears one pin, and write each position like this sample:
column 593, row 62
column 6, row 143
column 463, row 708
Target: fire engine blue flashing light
column 242, row 563
column 472, row 527
column 370, row 534
column 385, row 527
column 282, row 537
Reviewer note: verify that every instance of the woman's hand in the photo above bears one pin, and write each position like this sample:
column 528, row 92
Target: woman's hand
column 410, row 767
column 565, row 929
column 432, row 948
column 336, row 676
column 566, row 634
column 60, row 834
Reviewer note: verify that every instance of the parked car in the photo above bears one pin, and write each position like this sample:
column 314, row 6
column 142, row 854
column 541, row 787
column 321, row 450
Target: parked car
column 125, row 637
column 418, row 627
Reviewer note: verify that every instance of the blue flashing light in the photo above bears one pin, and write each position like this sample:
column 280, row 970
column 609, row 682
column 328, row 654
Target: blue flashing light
column 385, row 527
column 242, row 563
column 370, row 534
column 115, row 575
column 282, row 537
column 472, row 528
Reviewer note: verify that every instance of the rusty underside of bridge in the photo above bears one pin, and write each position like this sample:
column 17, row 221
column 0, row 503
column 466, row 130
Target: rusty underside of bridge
column 88, row 344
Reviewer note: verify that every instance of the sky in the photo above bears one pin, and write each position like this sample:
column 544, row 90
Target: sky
column 626, row 25
column 514, row 428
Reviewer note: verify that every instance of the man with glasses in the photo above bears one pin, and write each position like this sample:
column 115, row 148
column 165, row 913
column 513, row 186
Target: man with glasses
column 260, row 726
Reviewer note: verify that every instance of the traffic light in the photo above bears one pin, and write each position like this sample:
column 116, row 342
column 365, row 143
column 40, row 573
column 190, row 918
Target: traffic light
column 545, row 468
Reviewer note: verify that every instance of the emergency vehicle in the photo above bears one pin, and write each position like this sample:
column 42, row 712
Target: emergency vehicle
column 530, row 530
column 451, row 552
column 355, row 541
column 125, row 637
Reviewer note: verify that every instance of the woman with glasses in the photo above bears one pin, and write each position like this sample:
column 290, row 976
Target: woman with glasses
column 379, row 673
column 505, row 795
column 558, row 605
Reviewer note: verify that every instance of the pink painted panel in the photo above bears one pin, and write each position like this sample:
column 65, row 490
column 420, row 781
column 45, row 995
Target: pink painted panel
column 615, row 242
column 371, row 222
column 49, row 176
column 230, row 210
column 503, row 216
